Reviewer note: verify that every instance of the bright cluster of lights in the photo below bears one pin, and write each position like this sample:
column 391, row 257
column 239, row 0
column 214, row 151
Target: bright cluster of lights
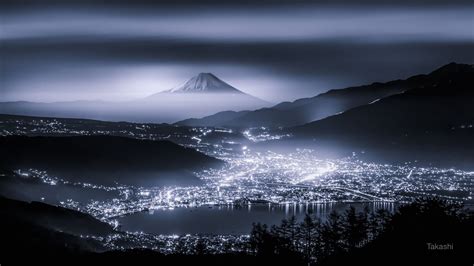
column 274, row 178
column 260, row 134
column 249, row 177
column 169, row 244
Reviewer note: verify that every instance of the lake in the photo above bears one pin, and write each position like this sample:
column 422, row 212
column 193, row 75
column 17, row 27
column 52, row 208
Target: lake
column 229, row 219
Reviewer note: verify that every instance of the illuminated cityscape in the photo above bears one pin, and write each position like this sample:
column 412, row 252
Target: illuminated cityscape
column 300, row 177
column 250, row 177
column 236, row 132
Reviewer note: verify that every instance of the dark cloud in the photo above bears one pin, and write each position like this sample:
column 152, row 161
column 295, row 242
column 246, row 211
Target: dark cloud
column 160, row 3
column 307, row 68
column 275, row 55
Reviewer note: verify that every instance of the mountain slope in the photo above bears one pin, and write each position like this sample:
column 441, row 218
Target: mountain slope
column 204, row 83
column 44, row 231
column 434, row 120
column 105, row 159
column 53, row 217
column 306, row 110
column 225, row 118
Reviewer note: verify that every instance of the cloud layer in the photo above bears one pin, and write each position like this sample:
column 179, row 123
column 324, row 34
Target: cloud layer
column 276, row 53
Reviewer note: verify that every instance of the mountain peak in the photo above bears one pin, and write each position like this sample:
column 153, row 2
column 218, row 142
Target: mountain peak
column 205, row 83
column 453, row 68
column 207, row 75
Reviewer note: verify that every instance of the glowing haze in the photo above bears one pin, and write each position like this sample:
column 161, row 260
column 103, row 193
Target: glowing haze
column 54, row 52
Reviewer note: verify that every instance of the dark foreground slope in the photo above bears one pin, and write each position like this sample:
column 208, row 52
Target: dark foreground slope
column 51, row 235
column 52, row 217
column 421, row 233
column 405, row 237
column 33, row 230
column 104, row 159
column 432, row 123
column 348, row 238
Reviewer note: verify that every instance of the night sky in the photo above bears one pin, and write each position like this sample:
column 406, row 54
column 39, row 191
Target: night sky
column 275, row 50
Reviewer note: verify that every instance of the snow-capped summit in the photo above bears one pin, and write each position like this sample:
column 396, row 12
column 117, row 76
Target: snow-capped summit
column 202, row 95
column 204, row 83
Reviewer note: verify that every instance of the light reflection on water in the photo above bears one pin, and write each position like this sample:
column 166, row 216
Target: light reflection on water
column 232, row 219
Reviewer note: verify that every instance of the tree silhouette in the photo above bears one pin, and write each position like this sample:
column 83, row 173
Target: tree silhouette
column 332, row 234
column 200, row 247
column 376, row 223
column 309, row 234
column 347, row 236
column 355, row 227
column 286, row 235
column 262, row 242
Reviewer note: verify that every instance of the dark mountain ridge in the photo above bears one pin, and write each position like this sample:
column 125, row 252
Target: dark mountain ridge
column 306, row 110
column 104, row 159
column 432, row 121
column 53, row 217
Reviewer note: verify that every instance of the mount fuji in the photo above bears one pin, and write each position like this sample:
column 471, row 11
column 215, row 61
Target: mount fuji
column 202, row 95
column 210, row 85
column 204, row 83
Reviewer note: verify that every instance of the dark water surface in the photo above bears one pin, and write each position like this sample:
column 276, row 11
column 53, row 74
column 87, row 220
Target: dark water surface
column 229, row 219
